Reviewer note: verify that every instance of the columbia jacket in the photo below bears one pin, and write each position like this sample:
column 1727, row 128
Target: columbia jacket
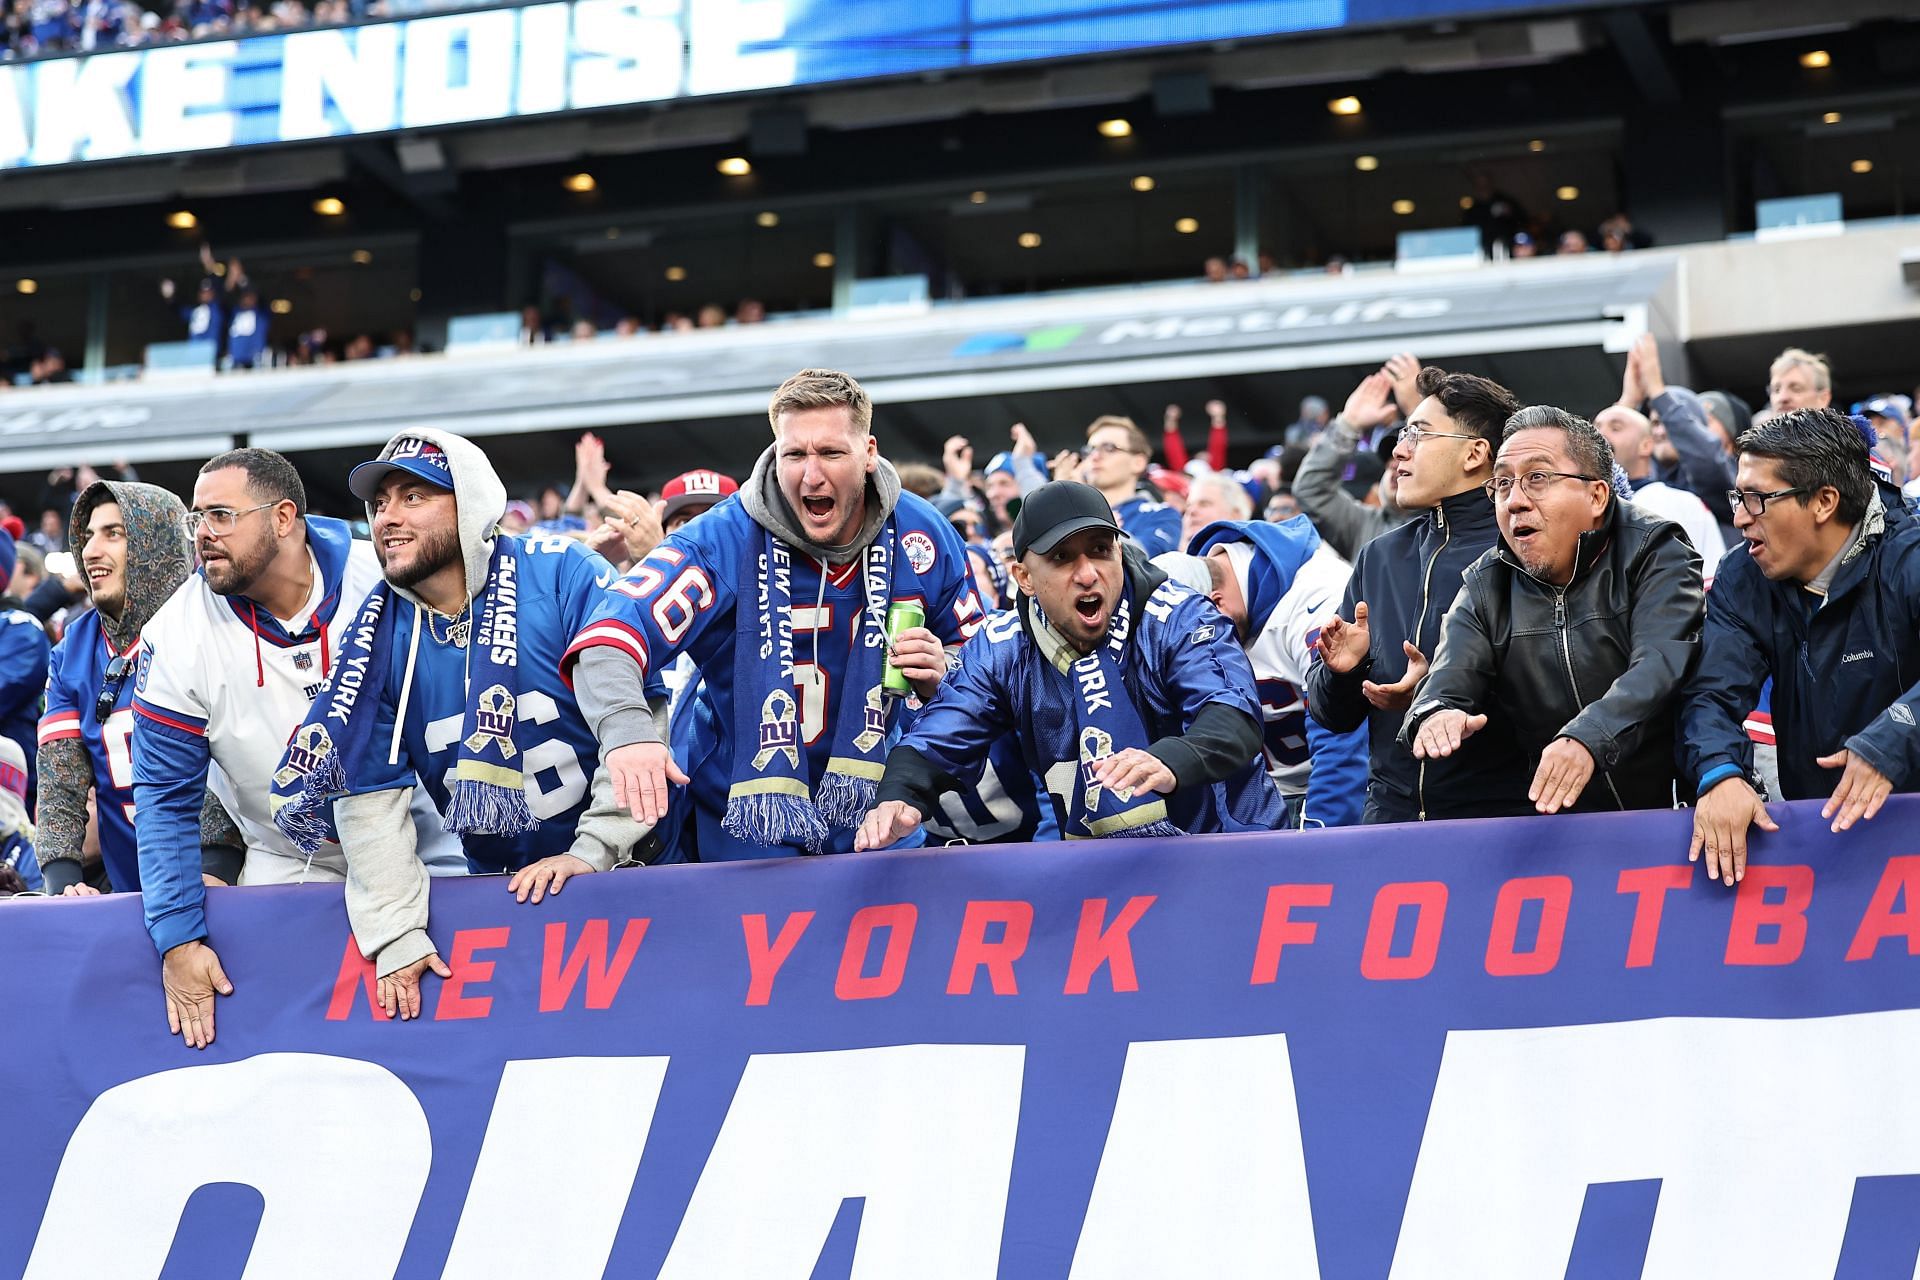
column 1601, row 660
column 1844, row 668
column 1408, row 578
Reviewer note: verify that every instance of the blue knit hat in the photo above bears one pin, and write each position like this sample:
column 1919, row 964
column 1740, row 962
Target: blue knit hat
column 9, row 556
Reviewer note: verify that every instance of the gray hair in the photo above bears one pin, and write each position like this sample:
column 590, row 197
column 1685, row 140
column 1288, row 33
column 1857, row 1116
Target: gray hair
column 1227, row 487
column 1591, row 454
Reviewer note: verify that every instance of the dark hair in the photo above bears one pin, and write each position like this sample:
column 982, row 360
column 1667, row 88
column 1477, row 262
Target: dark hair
column 1479, row 405
column 1591, row 454
column 1817, row 448
column 270, row 475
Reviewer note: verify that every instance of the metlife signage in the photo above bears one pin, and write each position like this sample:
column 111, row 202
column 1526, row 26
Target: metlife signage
column 498, row 64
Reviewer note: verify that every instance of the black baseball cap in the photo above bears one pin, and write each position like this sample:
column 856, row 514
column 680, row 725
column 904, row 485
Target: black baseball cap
column 1059, row 510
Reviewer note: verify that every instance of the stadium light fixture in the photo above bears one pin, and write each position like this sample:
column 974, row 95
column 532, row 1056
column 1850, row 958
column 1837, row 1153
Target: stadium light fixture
column 579, row 183
column 1186, row 226
column 1566, row 193
column 1536, row 146
column 1832, row 117
column 27, row 286
column 1814, row 59
column 1029, row 239
column 1143, row 183
column 1466, row 202
column 182, row 220
column 413, row 295
column 676, row 274
column 1366, row 164
column 1403, row 207
column 767, row 218
column 1861, row 166
column 363, row 256
column 280, row 306
column 735, row 166
column 329, row 207
column 823, row 260
column 1347, row 106
column 978, row 197
column 1116, row 128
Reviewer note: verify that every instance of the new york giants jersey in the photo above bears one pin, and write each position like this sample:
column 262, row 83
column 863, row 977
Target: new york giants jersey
column 1180, row 658
column 223, row 684
column 1006, row 805
column 74, row 682
column 1154, row 525
column 561, row 584
column 685, row 596
column 24, row 655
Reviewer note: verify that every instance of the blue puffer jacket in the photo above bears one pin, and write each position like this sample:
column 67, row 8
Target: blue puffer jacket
column 1844, row 670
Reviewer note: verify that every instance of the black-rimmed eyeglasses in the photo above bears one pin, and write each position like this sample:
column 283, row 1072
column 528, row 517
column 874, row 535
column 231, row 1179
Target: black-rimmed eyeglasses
column 1756, row 502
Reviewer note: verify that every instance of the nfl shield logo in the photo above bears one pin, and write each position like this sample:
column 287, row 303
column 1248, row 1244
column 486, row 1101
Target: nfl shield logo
column 303, row 662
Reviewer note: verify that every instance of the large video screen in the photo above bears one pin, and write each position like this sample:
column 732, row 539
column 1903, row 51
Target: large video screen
column 493, row 64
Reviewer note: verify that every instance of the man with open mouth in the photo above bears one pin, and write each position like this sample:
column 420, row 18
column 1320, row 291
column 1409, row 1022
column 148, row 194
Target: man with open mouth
column 1127, row 693
column 1578, row 628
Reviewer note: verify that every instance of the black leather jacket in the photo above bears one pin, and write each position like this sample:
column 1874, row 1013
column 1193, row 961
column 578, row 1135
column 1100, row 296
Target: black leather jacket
column 1602, row 660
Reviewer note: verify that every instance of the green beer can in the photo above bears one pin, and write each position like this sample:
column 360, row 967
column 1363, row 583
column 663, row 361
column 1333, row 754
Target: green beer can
column 902, row 615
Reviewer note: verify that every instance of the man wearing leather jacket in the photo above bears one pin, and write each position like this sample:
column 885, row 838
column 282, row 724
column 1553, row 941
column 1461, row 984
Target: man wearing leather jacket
column 1374, row 652
column 1578, row 628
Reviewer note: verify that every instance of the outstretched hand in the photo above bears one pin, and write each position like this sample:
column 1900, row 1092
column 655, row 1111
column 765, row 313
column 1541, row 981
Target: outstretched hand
column 1398, row 696
column 1343, row 645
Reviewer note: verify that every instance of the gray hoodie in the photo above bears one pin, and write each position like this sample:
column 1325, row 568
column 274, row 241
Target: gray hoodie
column 386, row 881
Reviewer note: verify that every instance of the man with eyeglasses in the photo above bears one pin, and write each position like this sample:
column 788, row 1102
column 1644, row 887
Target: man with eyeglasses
column 1826, row 601
column 1117, row 457
column 1374, row 651
column 132, row 543
column 1577, row 629
column 230, row 667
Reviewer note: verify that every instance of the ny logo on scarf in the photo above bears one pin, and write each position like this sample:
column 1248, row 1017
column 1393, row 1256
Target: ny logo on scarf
column 779, row 731
column 310, row 745
column 1096, row 745
column 493, row 722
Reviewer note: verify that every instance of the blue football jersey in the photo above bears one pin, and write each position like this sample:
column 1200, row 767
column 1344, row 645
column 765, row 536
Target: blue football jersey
column 1181, row 657
column 685, row 597
column 75, row 679
column 1154, row 525
column 562, row 583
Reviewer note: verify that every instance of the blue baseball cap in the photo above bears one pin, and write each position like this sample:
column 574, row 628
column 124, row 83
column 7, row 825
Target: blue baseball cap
column 422, row 459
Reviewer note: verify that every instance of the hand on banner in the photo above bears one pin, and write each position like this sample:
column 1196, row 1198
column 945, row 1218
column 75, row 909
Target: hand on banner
column 640, row 773
column 1720, row 821
column 1134, row 768
column 1862, row 790
column 190, row 974
column 885, row 823
column 545, row 876
column 399, row 992
column 1442, row 733
column 1566, row 766
column 1397, row 696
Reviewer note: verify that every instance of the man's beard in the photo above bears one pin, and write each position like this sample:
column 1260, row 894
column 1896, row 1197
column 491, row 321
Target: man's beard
column 243, row 568
column 435, row 552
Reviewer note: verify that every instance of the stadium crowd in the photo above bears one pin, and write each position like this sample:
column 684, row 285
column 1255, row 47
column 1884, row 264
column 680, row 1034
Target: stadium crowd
column 1436, row 603
column 43, row 28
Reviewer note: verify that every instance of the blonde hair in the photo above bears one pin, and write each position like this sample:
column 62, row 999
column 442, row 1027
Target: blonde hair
column 1136, row 438
column 1822, row 375
column 822, row 389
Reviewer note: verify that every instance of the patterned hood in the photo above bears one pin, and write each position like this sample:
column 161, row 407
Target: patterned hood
column 159, row 555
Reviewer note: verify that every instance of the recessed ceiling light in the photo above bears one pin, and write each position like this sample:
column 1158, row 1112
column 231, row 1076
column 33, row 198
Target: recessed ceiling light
column 1861, row 166
column 823, row 260
column 1143, row 183
column 363, row 256
column 1366, row 164
column 676, row 274
column 280, row 306
column 1566, row 193
column 1832, row 117
column 1347, row 106
column 1466, row 202
column 1536, row 145
column 414, row 294
column 27, row 286
column 329, row 207
column 1814, row 59
column 735, row 167
column 1403, row 207
column 611, row 233
column 1186, row 226
column 182, row 220
column 767, row 219
column 582, row 182
column 978, row 197
column 1115, row 128
column 1029, row 239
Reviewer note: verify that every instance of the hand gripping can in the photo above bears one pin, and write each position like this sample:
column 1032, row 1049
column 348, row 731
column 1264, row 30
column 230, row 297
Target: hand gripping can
column 902, row 615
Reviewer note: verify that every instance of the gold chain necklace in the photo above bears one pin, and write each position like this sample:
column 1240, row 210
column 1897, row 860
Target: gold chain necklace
column 457, row 626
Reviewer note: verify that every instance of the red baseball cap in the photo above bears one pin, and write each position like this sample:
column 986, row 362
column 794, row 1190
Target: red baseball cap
column 695, row 489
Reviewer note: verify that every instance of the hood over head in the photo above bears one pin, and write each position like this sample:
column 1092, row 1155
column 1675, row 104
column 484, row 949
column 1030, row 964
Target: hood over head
column 159, row 553
column 1278, row 550
column 477, row 489
column 762, row 498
